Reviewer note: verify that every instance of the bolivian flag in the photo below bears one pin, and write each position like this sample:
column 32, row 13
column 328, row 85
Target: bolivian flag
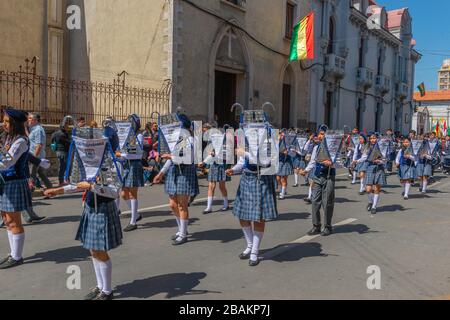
column 302, row 45
column 421, row 88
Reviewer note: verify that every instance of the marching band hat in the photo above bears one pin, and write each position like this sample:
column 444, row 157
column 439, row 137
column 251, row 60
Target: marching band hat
column 137, row 121
column 323, row 128
column 362, row 134
column 17, row 115
column 185, row 122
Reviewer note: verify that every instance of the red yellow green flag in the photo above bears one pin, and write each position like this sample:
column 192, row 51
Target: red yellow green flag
column 421, row 88
column 302, row 44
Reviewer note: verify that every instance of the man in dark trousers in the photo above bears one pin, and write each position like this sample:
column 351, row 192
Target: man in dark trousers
column 61, row 143
column 323, row 175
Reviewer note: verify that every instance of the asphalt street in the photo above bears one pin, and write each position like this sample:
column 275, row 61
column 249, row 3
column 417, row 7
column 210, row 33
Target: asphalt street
column 407, row 241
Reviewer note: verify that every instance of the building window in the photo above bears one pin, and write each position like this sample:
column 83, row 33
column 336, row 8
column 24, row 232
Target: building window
column 377, row 117
column 361, row 53
column 331, row 37
column 290, row 16
column 239, row 3
column 359, row 114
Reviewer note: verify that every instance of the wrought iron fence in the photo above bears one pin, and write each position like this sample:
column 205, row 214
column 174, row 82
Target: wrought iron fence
column 55, row 98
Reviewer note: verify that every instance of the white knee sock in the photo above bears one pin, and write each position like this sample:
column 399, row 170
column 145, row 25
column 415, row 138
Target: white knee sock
column 98, row 273
column 248, row 233
column 225, row 202
column 178, row 223
column 407, row 187
column 370, row 196
column 283, row 191
column 376, row 197
column 355, row 175
column 257, row 237
column 295, row 178
column 106, row 272
column 183, row 228
column 210, row 203
column 134, row 211
column 11, row 242
column 310, row 192
column 118, row 203
column 17, row 249
column 361, row 189
column 425, row 185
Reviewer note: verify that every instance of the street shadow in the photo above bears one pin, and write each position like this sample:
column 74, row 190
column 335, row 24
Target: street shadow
column 434, row 191
column 350, row 228
column 62, row 255
column 297, row 197
column 392, row 208
column 344, row 200
column 293, row 252
column 340, row 187
column 40, row 204
column 291, row 216
column 419, row 196
column 174, row 285
column 392, row 186
column 61, row 219
column 169, row 223
column 148, row 214
column 216, row 202
column 222, row 235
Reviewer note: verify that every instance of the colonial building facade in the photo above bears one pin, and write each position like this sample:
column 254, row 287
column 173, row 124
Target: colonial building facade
column 365, row 69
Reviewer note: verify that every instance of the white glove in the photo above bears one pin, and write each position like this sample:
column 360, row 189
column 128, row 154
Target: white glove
column 429, row 157
column 45, row 164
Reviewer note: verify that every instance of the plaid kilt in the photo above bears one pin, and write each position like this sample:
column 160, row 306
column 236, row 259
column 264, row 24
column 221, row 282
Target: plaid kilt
column 16, row 196
column 285, row 169
column 424, row 170
column 298, row 162
column 361, row 167
column 375, row 175
column 216, row 173
column 133, row 174
column 184, row 182
column 407, row 173
column 256, row 199
column 100, row 231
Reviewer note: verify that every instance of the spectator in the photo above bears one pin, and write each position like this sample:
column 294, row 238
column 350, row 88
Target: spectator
column 154, row 134
column 94, row 124
column 37, row 147
column 61, row 143
column 151, row 167
column 81, row 122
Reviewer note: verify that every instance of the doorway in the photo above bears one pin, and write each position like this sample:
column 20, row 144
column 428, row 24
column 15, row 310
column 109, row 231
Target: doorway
column 285, row 123
column 225, row 97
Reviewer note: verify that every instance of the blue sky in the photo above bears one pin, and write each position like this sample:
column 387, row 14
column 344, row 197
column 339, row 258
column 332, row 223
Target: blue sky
column 431, row 29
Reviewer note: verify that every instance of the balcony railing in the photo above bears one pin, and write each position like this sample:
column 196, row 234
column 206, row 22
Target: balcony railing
column 364, row 77
column 383, row 84
column 402, row 90
column 335, row 66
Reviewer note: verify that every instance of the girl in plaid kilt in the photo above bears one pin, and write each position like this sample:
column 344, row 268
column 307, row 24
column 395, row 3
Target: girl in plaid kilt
column 406, row 162
column 181, row 181
column 99, row 231
column 255, row 204
column 285, row 166
column 375, row 176
column 133, row 173
column 424, row 167
column 360, row 167
column 216, row 174
column 15, row 195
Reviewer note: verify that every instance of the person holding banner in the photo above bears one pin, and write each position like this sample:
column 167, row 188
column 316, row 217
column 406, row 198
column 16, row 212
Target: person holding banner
column 298, row 159
column 285, row 169
column 15, row 195
column 375, row 176
column 406, row 162
column 312, row 142
column 424, row 167
column 131, row 157
column 323, row 190
column 360, row 167
column 350, row 146
column 181, row 181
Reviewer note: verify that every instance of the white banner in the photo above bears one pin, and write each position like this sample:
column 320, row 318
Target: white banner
column 355, row 141
column 334, row 144
column 91, row 154
column 255, row 134
column 432, row 147
column 123, row 131
column 171, row 134
column 416, row 145
column 384, row 145
column 217, row 140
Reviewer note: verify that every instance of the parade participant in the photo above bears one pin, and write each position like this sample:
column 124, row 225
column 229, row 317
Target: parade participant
column 312, row 142
column 350, row 146
column 389, row 164
column 298, row 159
column 216, row 174
column 436, row 146
column 133, row 171
column 100, row 229
column 15, row 195
column 256, row 201
column 323, row 190
column 406, row 161
column 424, row 164
column 375, row 176
column 285, row 168
column 360, row 167
column 181, row 181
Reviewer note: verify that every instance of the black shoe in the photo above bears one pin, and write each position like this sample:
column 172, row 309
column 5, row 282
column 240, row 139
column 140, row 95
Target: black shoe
column 104, row 296
column 369, row 206
column 244, row 256
column 93, row 294
column 2, row 224
column 179, row 241
column 28, row 220
column 120, row 213
column 225, row 209
column 11, row 263
column 5, row 259
column 314, row 231
column 130, row 227
column 38, row 219
column 207, row 211
column 361, row 193
column 140, row 218
column 252, row 263
column 295, row 185
column 307, row 200
column 373, row 211
column 326, row 232
column 175, row 236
